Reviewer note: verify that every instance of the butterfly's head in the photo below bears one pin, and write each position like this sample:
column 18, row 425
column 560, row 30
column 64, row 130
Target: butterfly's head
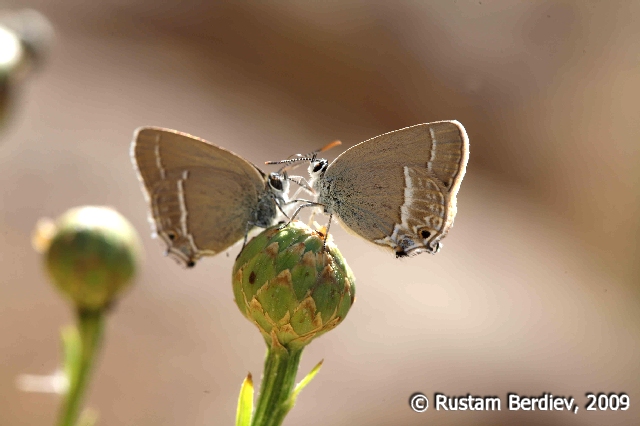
column 317, row 169
column 278, row 184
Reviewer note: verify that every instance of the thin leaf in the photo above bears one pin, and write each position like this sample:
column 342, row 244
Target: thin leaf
column 89, row 417
column 245, row 403
column 304, row 382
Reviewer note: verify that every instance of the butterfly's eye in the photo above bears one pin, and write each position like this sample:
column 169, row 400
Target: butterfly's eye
column 171, row 235
column 275, row 183
column 319, row 165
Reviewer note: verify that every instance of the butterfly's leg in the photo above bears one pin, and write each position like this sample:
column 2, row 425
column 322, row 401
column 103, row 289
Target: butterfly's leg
column 246, row 234
column 300, row 200
column 300, row 189
column 300, row 207
column 326, row 235
column 304, row 202
column 280, row 208
column 302, row 183
column 312, row 216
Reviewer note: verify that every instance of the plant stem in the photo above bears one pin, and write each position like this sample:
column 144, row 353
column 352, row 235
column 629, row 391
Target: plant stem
column 90, row 328
column 280, row 368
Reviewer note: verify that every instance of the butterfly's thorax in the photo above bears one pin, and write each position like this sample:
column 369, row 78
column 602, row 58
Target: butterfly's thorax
column 265, row 210
column 330, row 189
column 324, row 189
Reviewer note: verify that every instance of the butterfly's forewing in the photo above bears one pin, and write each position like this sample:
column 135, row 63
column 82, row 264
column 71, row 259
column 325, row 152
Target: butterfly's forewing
column 399, row 189
column 201, row 197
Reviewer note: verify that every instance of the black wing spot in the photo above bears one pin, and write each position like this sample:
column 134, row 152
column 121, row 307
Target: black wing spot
column 425, row 234
column 401, row 253
column 171, row 236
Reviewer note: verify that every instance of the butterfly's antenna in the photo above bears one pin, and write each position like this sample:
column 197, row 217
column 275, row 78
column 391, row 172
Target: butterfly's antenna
column 328, row 146
column 289, row 162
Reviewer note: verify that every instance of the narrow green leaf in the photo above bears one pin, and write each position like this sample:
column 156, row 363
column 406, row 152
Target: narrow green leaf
column 304, row 382
column 89, row 417
column 245, row 403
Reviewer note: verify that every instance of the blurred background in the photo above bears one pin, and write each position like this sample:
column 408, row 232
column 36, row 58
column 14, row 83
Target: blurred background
column 536, row 289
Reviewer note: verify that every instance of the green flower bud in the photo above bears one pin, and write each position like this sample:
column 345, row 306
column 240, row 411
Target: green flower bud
column 290, row 288
column 91, row 255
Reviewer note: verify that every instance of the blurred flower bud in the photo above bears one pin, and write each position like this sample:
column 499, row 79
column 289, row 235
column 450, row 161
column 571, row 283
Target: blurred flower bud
column 25, row 40
column 292, row 289
column 34, row 33
column 91, row 254
column 12, row 55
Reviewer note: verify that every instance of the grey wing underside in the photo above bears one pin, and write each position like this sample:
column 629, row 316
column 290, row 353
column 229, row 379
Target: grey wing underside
column 201, row 197
column 371, row 181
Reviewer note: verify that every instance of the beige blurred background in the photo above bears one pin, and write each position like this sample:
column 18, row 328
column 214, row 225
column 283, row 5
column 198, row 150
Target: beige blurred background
column 536, row 289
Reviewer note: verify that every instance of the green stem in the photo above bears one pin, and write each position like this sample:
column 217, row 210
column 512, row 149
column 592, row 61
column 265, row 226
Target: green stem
column 278, row 380
column 90, row 327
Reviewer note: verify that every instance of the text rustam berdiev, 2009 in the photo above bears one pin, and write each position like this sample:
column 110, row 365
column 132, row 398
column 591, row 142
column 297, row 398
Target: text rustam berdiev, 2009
column 514, row 402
